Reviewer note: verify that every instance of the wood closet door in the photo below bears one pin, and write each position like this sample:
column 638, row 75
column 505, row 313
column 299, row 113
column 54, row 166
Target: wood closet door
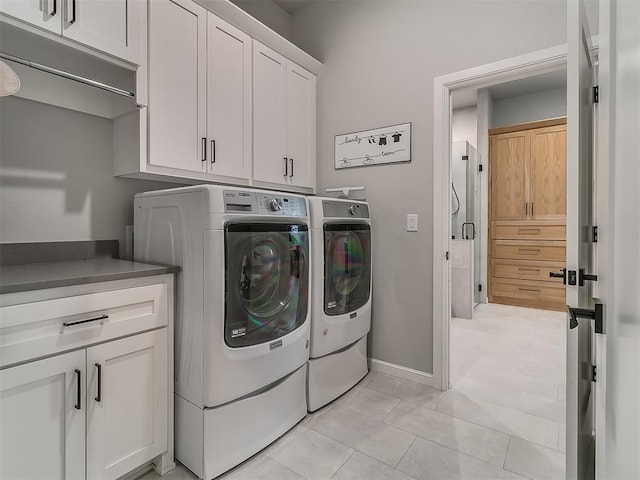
column 548, row 194
column 509, row 178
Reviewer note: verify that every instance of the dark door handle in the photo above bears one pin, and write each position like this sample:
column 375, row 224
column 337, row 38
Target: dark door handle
column 73, row 12
column 78, row 404
column 204, row 149
column 585, row 276
column 596, row 314
column 286, row 166
column 291, row 174
column 213, row 151
column 561, row 274
column 99, row 397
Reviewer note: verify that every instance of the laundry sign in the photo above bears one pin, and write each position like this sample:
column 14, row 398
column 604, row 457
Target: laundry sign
column 373, row 147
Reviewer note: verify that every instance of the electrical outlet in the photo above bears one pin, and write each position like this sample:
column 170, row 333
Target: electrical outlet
column 412, row 222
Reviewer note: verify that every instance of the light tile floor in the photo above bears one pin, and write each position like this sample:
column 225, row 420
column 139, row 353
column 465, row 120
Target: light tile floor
column 502, row 419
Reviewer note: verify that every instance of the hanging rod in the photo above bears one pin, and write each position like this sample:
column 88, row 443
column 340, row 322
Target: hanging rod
column 70, row 76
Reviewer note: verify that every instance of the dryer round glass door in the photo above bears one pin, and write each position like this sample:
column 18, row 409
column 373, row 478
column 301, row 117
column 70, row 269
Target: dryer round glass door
column 267, row 281
column 347, row 275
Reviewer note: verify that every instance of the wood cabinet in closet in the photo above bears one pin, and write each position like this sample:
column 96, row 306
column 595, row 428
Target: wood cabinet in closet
column 527, row 214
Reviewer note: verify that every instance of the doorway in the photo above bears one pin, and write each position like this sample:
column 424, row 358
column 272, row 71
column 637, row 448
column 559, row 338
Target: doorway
column 536, row 63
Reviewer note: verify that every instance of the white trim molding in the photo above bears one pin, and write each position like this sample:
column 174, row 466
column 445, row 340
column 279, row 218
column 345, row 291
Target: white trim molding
column 535, row 63
column 399, row 371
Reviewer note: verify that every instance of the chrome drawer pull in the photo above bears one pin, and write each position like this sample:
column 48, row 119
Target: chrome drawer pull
column 80, row 322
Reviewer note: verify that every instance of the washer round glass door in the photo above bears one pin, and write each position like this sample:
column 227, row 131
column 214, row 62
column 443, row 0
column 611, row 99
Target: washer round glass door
column 267, row 281
column 347, row 268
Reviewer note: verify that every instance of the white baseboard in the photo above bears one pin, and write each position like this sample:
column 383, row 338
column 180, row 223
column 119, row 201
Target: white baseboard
column 399, row 371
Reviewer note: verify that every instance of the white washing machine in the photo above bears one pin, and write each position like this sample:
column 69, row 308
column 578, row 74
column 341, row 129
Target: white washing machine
column 242, row 320
column 341, row 297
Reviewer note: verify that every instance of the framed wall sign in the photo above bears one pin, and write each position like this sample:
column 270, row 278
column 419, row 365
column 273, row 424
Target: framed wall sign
column 373, row 147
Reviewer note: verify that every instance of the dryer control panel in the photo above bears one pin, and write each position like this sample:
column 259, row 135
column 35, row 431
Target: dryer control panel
column 260, row 203
column 344, row 209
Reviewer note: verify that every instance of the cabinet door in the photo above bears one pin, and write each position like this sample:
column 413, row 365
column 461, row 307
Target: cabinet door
column 43, row 433
column 509, row 179
column 110, row 26
column 269, row 123
column 126, row 403
column 228, row 99
column 177, row 85
column 549, row 172
column 301, row 125
column 46, row 14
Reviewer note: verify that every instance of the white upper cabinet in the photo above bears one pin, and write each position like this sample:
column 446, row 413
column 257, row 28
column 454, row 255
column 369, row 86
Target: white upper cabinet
column 269, row 122
column 113, row 27
column 228, row 99
column 177, row 86
column 199, row 95
column 284, row 104
column 301, row 125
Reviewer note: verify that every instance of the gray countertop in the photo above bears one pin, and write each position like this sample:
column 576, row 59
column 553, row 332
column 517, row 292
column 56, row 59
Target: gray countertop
column 37, row 276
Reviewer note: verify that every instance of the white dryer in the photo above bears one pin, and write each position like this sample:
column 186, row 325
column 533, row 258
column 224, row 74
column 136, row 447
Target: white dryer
column 242, row 316
column 341, row 297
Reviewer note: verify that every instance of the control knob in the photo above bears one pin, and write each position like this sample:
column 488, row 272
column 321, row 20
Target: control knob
column 274, row 204
column 352, row 209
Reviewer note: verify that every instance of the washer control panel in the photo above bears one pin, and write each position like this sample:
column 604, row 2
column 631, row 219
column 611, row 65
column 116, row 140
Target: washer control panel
column 260, row 203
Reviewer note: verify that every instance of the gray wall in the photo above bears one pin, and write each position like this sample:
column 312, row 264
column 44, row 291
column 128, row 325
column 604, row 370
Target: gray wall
column 380, row 59
column 56, row 176
column 530, row 108
column 268, row 13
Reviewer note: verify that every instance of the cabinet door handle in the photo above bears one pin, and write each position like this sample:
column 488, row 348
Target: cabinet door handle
column 73, row 12
column 99, row 397
column 526, row 209
column 286, row 166
column 291, row 173
column 213, row 151
column 80, row 322
column 204, row 149
column 78, row 404
column 532, row 210
column 53, row 12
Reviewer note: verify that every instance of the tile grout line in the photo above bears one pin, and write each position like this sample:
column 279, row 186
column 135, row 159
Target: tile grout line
column 342, row 465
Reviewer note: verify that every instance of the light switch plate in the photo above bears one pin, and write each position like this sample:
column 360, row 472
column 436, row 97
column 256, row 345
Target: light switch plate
column 412, row 222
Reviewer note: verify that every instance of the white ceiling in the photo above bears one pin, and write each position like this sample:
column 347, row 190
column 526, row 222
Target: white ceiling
column 467, row 97
column 292, row 6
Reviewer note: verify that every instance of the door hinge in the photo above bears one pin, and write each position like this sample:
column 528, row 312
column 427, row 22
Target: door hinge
column 593, row 373
column 446, row 255
column 465, row 157
column 594, row 234
column 596, row 94
column 479, row 287
column 480, row 167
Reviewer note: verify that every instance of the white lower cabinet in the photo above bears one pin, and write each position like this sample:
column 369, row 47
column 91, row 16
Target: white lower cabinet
column 42, row 419
column 116, row 390
column 126, row 403
column 85, row 373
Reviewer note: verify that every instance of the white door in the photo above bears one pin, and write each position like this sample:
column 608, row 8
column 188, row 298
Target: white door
column 228, row 99
column 617, row 450
column 270, row 162
column 301, row 125
column 42, row 418
column 110, row 26
column 126, row 403
column 45, row 14
column 177, row 86
column 580, row 249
